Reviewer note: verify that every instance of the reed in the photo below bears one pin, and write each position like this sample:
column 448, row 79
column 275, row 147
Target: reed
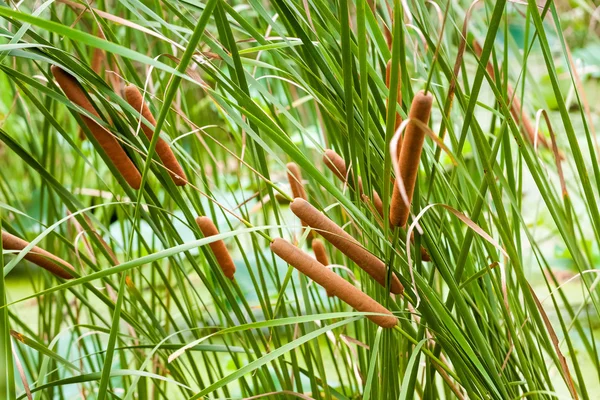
column 218, row 248
column 332, row 282
column 164, row 152
column 37, row 255
column 410, row 157
column 106, row 140
column 339, row 238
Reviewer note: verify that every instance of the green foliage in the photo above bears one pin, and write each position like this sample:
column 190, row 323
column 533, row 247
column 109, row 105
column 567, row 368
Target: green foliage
column 238, row 90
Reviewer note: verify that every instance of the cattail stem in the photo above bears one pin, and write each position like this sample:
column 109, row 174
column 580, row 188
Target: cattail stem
column 37, row 255
column 410, row 157
column 332, row 282
column 106, row 140
column 219, row 249
column 136, row 100
column 345, row 243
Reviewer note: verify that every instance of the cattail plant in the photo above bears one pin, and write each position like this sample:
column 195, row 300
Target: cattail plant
column 336, row 164
column 218, row 248
column 37, row 255
column 295, row 179
column 332, row 282
column 410, row 157
column 106, row 140
column 164, row 152
column 345, row 243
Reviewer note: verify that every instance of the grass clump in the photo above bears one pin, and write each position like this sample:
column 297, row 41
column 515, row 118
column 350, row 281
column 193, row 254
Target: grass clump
column 497, row 296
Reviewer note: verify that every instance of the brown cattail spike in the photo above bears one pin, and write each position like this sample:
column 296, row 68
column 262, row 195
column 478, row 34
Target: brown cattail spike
column 337, row 165
column 320, row 252
column 219, row 249
column 321, row 256
column 332, row 282
column 164, row 152
column 38, row 256
column 378, row 203
column 106, row 140
column 410, row 157
column 295, row 180
column 345, row 243
column 424, row 254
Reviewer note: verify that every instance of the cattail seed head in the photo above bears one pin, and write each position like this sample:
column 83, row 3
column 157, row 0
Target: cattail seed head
column 295, row 180
column 378, row 203
column 164, row 152
column 336, row 164
column 37, row 255
column 219, row 249
column 410, row 157
column 98, row 61
column 321, row 256
column 106, row 140
column 424, row 254
column 345, row 243
column 332, row 282
column 320, row 252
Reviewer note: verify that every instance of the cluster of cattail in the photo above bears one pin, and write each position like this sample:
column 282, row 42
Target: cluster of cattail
column 106, row 140
column 336, row 164
column 316, row 268
column 345, row 243
column 218, row 248
column 38, row 256
column 164, row 152
column 332, row 282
